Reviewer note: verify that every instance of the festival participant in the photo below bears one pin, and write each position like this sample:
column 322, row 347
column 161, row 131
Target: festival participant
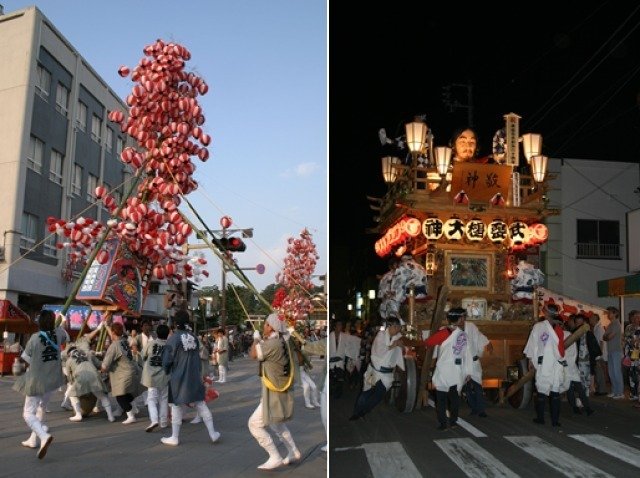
column 545, row 351
column 124, row 378
column 454, row 367
column 155, row 379
column 276, row 403
column 573, row 382
column 82, row 372
column 181, row 361
column 612, row 337
column 337, row 358
column 319, row 348
column 43, row 376
column 386, row 353
column 222, row 351
column 303, row 366
column 478, row 342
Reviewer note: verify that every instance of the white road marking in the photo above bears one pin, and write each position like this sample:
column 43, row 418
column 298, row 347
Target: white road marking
column 557, row 458
column 463, row 424
column 611, row 447
column 387, row 459
column 472, row 459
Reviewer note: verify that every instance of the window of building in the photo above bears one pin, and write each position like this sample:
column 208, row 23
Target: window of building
column 55, row 169
column 29, row 231
column 96, row 127
column 50, row 249
column 81, row 118
column 154, row 288
column 92, row 184
column 119, row 145
column 109, row 144
column 34, row 154
column 76, row 181
column 598, row 239
column 62, row 99
column 43, row 82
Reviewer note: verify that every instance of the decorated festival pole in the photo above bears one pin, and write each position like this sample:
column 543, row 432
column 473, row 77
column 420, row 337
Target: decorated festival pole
column 96, row 249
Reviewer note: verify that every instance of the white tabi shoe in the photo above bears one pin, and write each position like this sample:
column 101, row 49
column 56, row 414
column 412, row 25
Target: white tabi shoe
column 44, row 445
column 215, row 437
column 151, row 427
column 292, row 457
column 271, row 464
column 170, row 441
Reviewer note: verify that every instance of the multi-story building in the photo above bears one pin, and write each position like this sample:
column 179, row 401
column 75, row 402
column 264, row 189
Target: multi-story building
column 588, row 239
column 56, row 146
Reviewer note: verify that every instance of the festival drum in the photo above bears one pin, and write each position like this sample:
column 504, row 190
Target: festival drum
column 404, row 390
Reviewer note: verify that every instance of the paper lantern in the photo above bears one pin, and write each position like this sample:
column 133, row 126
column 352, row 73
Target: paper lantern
column 518, row 233
column 539, row 233
column 475, row 230
column 432, row 228
column 454, row 229
column 497, row 232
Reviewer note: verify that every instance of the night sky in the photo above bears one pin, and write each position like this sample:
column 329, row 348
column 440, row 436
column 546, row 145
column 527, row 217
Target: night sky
column 573, row 75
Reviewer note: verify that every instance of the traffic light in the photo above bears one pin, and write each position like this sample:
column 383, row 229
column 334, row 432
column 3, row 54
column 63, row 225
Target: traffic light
column 233, row 244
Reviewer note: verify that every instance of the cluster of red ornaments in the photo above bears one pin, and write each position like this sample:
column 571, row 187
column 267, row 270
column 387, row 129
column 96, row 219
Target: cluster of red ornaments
column 166, row 121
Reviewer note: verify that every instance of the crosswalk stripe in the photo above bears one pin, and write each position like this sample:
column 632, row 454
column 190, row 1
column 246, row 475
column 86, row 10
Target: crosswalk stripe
column 472, row 459
column 390, row 459
column 611, row 447
column 557, row 458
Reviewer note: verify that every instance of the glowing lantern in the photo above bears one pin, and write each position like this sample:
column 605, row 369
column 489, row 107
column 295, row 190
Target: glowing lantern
column 518, row 233
column 475, row 230
column 498, row 231
column 412, row 226
column 539, row 233
column 454, row 229
column 432, row 228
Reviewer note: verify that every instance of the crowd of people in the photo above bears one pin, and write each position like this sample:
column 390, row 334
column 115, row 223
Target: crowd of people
column 576, row 355
column 166, row 370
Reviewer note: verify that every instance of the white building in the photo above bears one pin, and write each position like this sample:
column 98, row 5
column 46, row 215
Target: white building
column 588, row 240
column 56, row 146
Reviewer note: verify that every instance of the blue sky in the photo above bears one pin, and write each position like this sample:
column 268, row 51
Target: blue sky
column 266, row 109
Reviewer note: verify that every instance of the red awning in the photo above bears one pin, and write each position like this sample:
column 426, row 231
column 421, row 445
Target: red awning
column 14, row 319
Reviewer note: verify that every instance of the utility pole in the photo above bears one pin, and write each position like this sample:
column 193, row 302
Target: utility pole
column 452, row 103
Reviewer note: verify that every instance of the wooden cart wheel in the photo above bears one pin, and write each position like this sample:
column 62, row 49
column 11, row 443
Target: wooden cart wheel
column 404, row 391
column 522, row 397
column 87, row 402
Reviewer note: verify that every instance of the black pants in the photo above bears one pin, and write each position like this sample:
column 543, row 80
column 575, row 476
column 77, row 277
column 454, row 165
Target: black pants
column 450, row 398
column 368, row 400
column 125, row 401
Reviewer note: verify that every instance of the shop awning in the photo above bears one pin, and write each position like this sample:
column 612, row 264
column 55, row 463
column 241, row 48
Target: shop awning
column 620, row 286
column 14, row 319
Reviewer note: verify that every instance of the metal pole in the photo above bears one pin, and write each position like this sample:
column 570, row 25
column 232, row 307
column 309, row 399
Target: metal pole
column 223, row 307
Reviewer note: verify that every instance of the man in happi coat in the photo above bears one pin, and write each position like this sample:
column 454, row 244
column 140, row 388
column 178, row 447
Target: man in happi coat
column 276, row 403
column 181, row 361
column 545, row 351
column 477, row 343
column 41, row 379
column 453, row 367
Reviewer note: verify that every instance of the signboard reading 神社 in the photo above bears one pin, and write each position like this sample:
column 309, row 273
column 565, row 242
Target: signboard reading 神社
column 481, row 181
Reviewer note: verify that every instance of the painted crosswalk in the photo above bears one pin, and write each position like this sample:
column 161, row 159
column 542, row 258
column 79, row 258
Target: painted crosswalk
column 474, row 460
column 556, row 458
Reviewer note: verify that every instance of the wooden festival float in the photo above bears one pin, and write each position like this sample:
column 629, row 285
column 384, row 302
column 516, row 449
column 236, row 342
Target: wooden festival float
column 469, row 224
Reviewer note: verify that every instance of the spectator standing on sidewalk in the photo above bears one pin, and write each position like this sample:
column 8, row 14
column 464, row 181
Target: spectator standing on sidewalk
column 222, row 350
column 600, row 368
column 614, row 353
column 41, row 379
column 276, row 404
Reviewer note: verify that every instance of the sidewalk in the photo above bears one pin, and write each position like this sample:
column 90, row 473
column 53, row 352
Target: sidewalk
column 97, row 448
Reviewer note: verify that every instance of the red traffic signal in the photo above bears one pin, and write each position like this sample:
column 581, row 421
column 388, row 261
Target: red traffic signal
column 233, row 244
